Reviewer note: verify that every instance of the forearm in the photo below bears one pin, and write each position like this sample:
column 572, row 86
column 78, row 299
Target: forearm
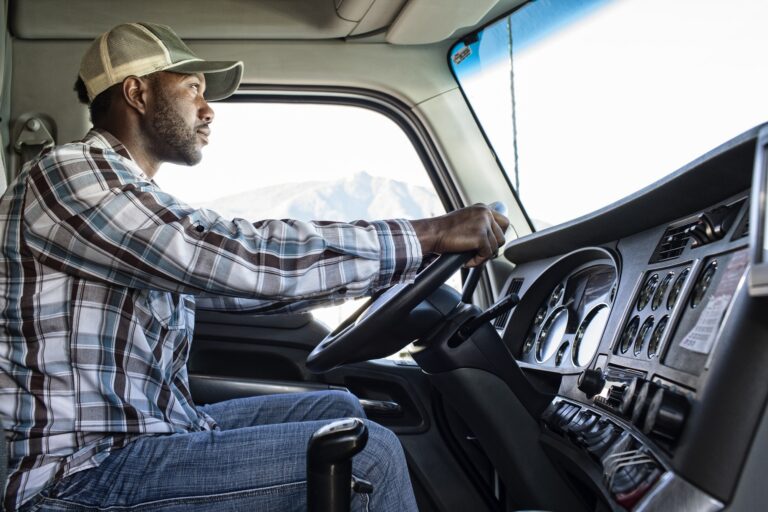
column 135, row 235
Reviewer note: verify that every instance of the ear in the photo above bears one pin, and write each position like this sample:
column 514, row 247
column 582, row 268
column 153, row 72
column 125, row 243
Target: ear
column 136, row 92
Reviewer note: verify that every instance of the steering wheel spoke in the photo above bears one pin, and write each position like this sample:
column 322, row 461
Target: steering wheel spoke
column 393, row 319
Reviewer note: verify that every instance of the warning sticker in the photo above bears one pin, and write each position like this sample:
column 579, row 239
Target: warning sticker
column 701, row 337
column 461, row 55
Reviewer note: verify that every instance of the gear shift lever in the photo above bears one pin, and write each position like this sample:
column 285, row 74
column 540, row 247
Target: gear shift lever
column 329, row 464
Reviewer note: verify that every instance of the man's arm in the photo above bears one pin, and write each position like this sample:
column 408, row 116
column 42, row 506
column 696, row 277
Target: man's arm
column 456, row 231
column 93, row 218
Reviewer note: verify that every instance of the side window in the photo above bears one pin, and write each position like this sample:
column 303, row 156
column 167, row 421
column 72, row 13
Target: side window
column 306, row 162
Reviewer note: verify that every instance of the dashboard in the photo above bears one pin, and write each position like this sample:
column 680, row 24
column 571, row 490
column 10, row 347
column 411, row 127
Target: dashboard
column 642, row 311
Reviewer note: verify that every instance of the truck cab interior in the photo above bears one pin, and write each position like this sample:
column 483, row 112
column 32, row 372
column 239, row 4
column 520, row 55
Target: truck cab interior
column 613, row 356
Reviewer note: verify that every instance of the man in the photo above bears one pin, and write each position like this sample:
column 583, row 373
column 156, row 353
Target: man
column 100, row 273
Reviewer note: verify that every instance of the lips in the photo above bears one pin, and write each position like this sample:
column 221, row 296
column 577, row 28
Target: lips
column 204, row 134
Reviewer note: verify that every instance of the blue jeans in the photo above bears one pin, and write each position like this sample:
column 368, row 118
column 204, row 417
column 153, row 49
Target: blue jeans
column 257, row 461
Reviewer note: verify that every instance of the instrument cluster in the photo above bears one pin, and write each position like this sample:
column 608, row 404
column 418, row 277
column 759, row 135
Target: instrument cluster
column 567, row 327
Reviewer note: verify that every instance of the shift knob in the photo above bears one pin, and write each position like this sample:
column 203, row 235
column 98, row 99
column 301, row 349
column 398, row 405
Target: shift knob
column 591, row 382
column 329, row 464
column 499, row 207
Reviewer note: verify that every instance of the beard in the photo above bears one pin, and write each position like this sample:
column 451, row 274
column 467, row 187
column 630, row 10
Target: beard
column 176, row 139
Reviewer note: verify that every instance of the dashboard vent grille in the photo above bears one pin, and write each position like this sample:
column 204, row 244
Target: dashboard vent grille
column 514, row 287
column 673, row 242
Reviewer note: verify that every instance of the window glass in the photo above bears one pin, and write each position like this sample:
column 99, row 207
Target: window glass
column 306, row 162
column 587, row 101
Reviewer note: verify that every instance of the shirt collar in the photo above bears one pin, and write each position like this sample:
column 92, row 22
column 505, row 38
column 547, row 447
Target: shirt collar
column 102, row 139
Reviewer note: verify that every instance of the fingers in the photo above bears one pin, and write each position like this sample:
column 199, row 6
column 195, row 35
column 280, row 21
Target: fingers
column 494, row 235
column 489, row 246
column 501, row 220
column 475, row 228
column 498, row 232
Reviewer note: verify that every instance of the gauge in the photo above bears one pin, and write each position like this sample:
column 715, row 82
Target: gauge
column 588, row 335
column 647, row 292
column 655, row 343
column 551, row 334
column 702, row 285
column 658, row 297
column 528, row 345
column 677, row 287
column 643, row 335
column 561, row 353
column 541, row 314
column 557, row 294
column 628, row 336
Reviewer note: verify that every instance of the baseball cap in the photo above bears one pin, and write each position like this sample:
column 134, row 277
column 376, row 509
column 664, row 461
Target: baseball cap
column 138, row 49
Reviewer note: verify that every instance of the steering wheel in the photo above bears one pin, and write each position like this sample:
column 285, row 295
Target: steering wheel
column 394, row 318
column 403, row 313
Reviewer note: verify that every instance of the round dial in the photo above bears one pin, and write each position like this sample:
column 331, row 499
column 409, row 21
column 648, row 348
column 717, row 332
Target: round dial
column 649, row 288
column 529, row 341
column 643, row 335
column 658, row 297
column 702, row 285
column 557, row 294
column 561, row 353
column 551, row 334
column 588, row 335
column 655, row 343
column 674, row 293
column 628, row 336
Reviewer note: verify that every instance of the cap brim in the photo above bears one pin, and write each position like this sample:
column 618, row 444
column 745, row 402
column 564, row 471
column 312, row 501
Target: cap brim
column 222, row 78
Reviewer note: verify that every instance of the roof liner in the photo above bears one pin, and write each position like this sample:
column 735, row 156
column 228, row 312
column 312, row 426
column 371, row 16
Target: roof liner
column 203, row 19
column 408, row 21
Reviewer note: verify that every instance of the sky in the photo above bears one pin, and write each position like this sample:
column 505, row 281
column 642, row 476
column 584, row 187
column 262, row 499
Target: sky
column 254, row 145
column 628, row 92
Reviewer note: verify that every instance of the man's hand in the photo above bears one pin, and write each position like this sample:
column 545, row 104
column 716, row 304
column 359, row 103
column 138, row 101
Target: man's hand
column 475, row 228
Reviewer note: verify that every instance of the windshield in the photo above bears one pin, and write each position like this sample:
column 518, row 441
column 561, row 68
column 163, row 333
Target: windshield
column 587, row 101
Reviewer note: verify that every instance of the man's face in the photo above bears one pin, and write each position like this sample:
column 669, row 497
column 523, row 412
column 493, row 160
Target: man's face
column 180, row 117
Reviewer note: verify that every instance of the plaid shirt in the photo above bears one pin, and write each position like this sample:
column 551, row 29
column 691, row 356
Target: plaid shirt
column 100, row 274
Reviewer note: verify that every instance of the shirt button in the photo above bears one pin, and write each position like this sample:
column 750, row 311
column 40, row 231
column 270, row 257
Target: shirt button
column 199, row 228
column 342, row 290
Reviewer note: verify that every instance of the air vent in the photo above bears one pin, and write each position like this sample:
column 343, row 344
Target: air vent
column 673, row 242
column 514, row 287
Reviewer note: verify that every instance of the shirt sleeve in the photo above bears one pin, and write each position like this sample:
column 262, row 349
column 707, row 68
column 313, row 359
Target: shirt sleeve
column 88, row 214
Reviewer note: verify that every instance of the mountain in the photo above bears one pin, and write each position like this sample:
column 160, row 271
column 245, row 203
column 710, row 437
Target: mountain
column 360, row 196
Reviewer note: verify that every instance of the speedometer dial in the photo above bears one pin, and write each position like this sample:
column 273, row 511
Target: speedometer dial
column 589, row 334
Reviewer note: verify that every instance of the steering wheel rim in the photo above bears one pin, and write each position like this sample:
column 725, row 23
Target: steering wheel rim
column 349, row 343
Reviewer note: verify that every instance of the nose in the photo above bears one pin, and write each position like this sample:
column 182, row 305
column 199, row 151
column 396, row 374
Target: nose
column 205, row 113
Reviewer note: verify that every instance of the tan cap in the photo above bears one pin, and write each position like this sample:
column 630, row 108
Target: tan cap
column 138, row 49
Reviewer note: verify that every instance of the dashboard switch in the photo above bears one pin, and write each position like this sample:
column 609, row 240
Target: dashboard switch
column 616, row 396
column 643, row 400
column 665, row 418
column 628, row 399
column 591, row 382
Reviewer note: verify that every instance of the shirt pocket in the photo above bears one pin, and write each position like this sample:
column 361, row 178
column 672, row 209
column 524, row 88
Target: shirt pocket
column 168, row 309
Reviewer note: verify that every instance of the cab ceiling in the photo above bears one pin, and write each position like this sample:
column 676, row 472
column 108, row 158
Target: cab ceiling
column 393, row 21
